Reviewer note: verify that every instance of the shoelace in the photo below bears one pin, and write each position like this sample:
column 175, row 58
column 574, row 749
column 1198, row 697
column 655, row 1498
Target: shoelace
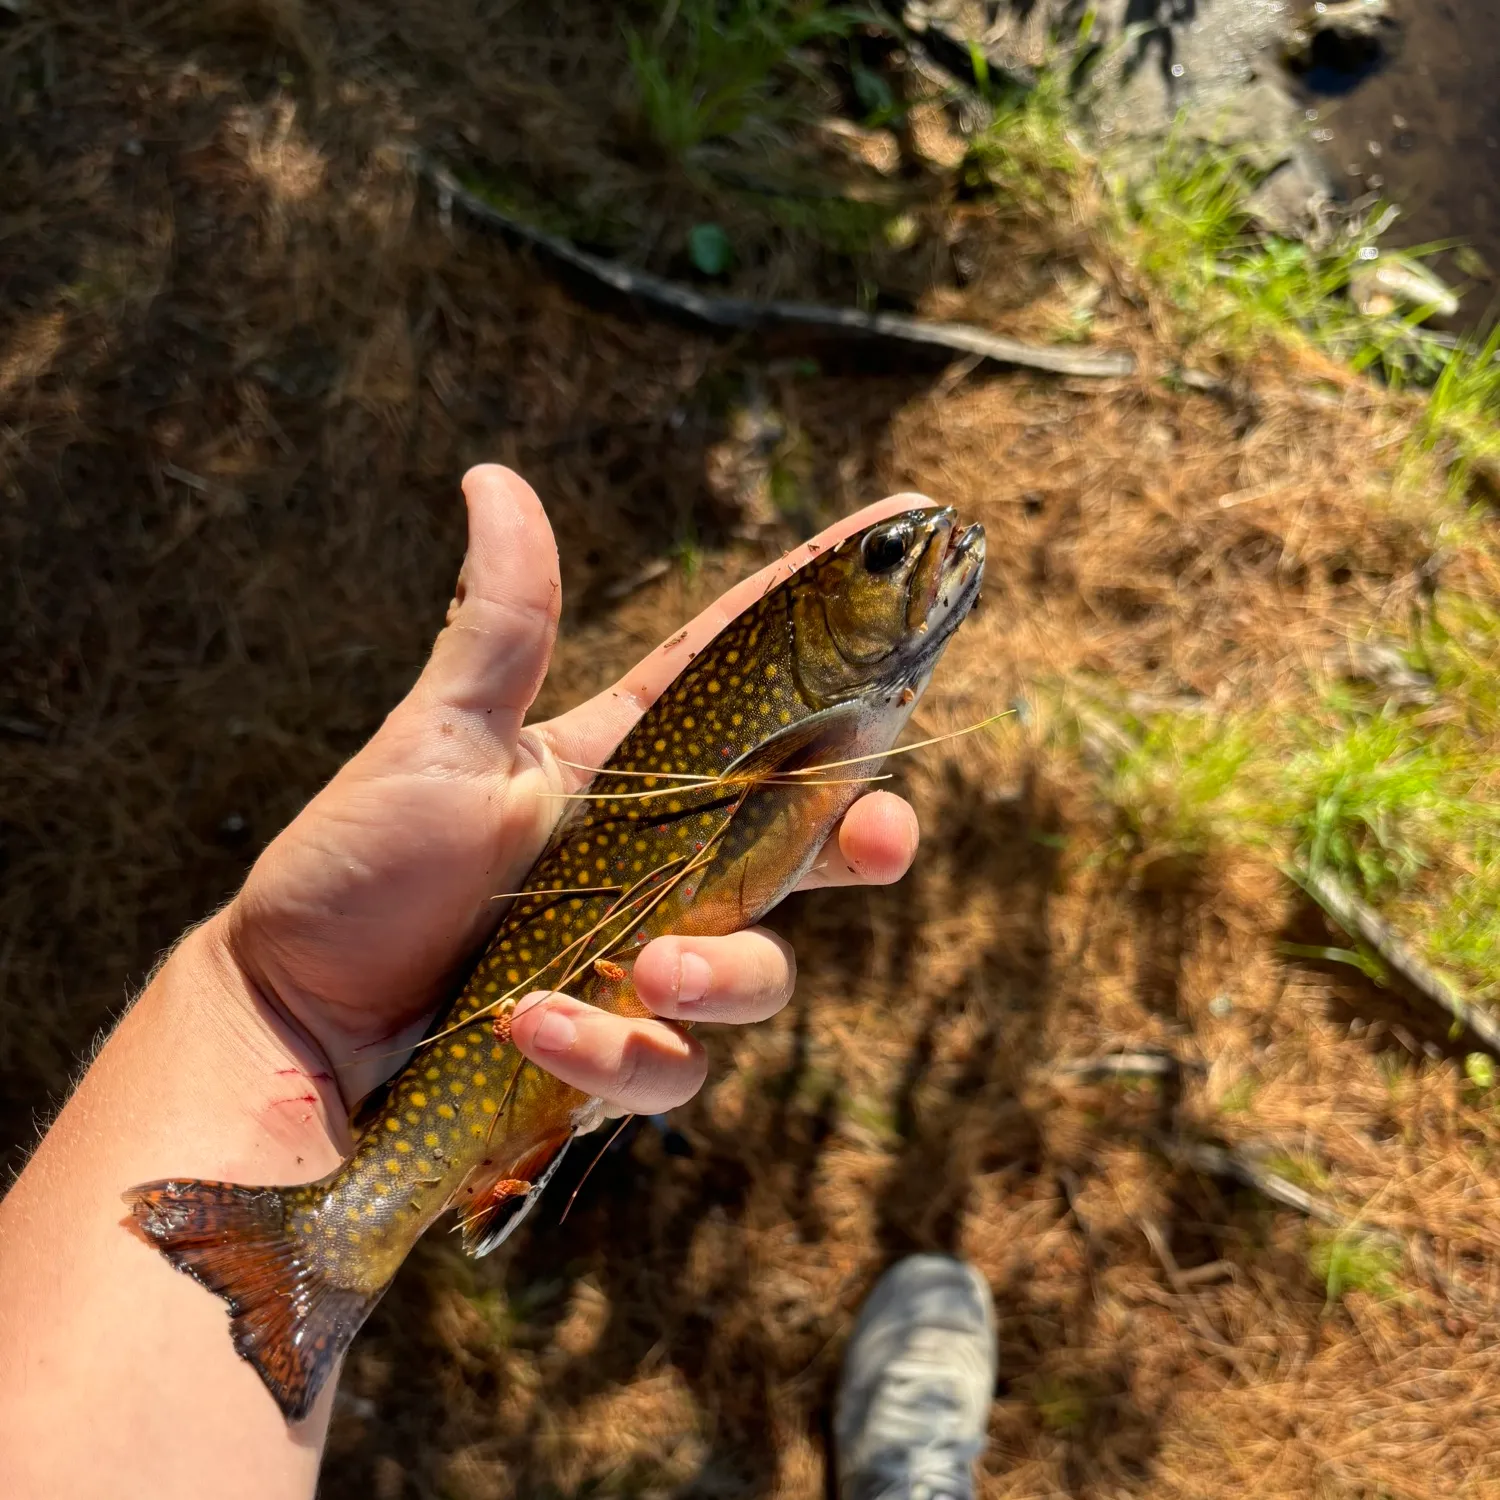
column 921, row 1453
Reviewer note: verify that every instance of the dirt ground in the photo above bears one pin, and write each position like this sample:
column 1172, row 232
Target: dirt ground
column 243, row 363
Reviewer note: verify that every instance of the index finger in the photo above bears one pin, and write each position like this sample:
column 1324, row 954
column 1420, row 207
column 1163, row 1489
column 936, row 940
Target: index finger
column 588, row 733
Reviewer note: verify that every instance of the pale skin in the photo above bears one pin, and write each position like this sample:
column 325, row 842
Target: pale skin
column 241, row 1056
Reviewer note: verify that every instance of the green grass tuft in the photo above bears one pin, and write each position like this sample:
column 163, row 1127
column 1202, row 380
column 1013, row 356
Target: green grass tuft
column 1370, row 803
column 709, row 69
column 1465, row 406
column 1466, row 934
column 1184, row 784
column 1351, row 1262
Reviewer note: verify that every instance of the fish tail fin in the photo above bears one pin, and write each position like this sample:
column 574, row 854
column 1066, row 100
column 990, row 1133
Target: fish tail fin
column 288, row 1319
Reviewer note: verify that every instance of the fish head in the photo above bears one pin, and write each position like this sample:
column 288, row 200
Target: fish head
column 871, row 616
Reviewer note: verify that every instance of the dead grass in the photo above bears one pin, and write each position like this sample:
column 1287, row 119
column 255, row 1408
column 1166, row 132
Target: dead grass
column 242, row 366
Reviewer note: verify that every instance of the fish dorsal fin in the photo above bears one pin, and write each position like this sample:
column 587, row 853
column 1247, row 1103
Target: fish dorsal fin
column 488, row 1226
column 796, row 742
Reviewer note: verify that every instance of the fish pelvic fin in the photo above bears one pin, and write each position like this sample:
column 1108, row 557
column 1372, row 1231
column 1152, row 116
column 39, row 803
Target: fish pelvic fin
column 488, row 1223
column 286, row 1317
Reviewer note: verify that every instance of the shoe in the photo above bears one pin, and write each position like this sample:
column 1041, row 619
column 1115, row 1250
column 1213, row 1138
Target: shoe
column 919, row 1374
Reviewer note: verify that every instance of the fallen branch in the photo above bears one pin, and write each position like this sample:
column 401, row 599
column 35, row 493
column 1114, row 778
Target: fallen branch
column 748, row 315
column 1142, row 1063
column 1369, row 927
column 1217, row 1161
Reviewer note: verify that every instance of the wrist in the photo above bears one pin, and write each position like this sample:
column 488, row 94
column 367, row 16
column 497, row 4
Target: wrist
column 225, row 1084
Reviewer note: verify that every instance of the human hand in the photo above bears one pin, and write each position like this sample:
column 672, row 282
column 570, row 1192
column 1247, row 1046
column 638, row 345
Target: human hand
column 357, row 919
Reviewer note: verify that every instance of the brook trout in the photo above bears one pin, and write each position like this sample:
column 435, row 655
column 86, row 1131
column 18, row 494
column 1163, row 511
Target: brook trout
column 710, row 811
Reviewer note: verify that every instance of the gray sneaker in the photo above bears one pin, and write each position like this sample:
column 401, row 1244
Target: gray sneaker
column 919, row 1375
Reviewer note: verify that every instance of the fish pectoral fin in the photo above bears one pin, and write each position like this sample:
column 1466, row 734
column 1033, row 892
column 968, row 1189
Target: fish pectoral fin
column 287, row 1318
column 493, row 1215
column 797, row 742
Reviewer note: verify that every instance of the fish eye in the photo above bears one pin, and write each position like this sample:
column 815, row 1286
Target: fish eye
column 884, row 549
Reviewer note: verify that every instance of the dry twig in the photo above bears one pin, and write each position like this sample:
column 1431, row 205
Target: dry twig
column 749, row 315
column 1369, row 927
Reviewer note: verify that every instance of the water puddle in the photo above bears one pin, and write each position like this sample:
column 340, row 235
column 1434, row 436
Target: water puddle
column 1422, row 129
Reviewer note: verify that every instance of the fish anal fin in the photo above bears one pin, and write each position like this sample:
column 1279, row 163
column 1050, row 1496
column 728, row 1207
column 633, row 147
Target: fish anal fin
column 495, row 1212
column 287, row 1319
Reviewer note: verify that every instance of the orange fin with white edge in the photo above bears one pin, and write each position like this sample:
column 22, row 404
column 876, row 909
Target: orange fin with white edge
column 487, row 1226
column 286, row 1318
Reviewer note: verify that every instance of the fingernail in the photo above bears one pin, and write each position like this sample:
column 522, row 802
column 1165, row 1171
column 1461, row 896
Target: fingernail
column 693, row 978
column 555, row 1032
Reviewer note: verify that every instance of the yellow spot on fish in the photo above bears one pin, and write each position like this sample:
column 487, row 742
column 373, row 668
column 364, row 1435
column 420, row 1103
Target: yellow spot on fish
column 785, row 716
column 445, row 1111
column 737, row 720
column 414, row 1117
column 458, row 1050
column 369, row 1210
column 433, row 1074
column 660, row 745
column 382, row 1189
column 513, row 976
column 392, row 1123
column 771, row 669
column 487, row 1105
column 392, row 1165
column 403, row 1147
column 492, row 988
column 457, row 1086
column 423, row 1166
column 497, row 1053
column 419, row 1099
column 480, row 1080
column 690, row 722
column 352, row 1215
column 430, row 1140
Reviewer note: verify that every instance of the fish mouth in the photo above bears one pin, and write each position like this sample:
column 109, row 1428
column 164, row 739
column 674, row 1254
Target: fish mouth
column 946, row 580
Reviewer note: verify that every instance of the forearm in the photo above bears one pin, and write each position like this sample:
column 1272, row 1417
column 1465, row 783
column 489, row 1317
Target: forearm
column 116, row 1372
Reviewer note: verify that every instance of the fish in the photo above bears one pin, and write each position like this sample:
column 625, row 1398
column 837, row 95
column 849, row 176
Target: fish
column 710, row 811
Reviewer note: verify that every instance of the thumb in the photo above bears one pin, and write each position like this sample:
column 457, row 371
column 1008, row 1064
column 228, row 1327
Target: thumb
column 491, row 656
